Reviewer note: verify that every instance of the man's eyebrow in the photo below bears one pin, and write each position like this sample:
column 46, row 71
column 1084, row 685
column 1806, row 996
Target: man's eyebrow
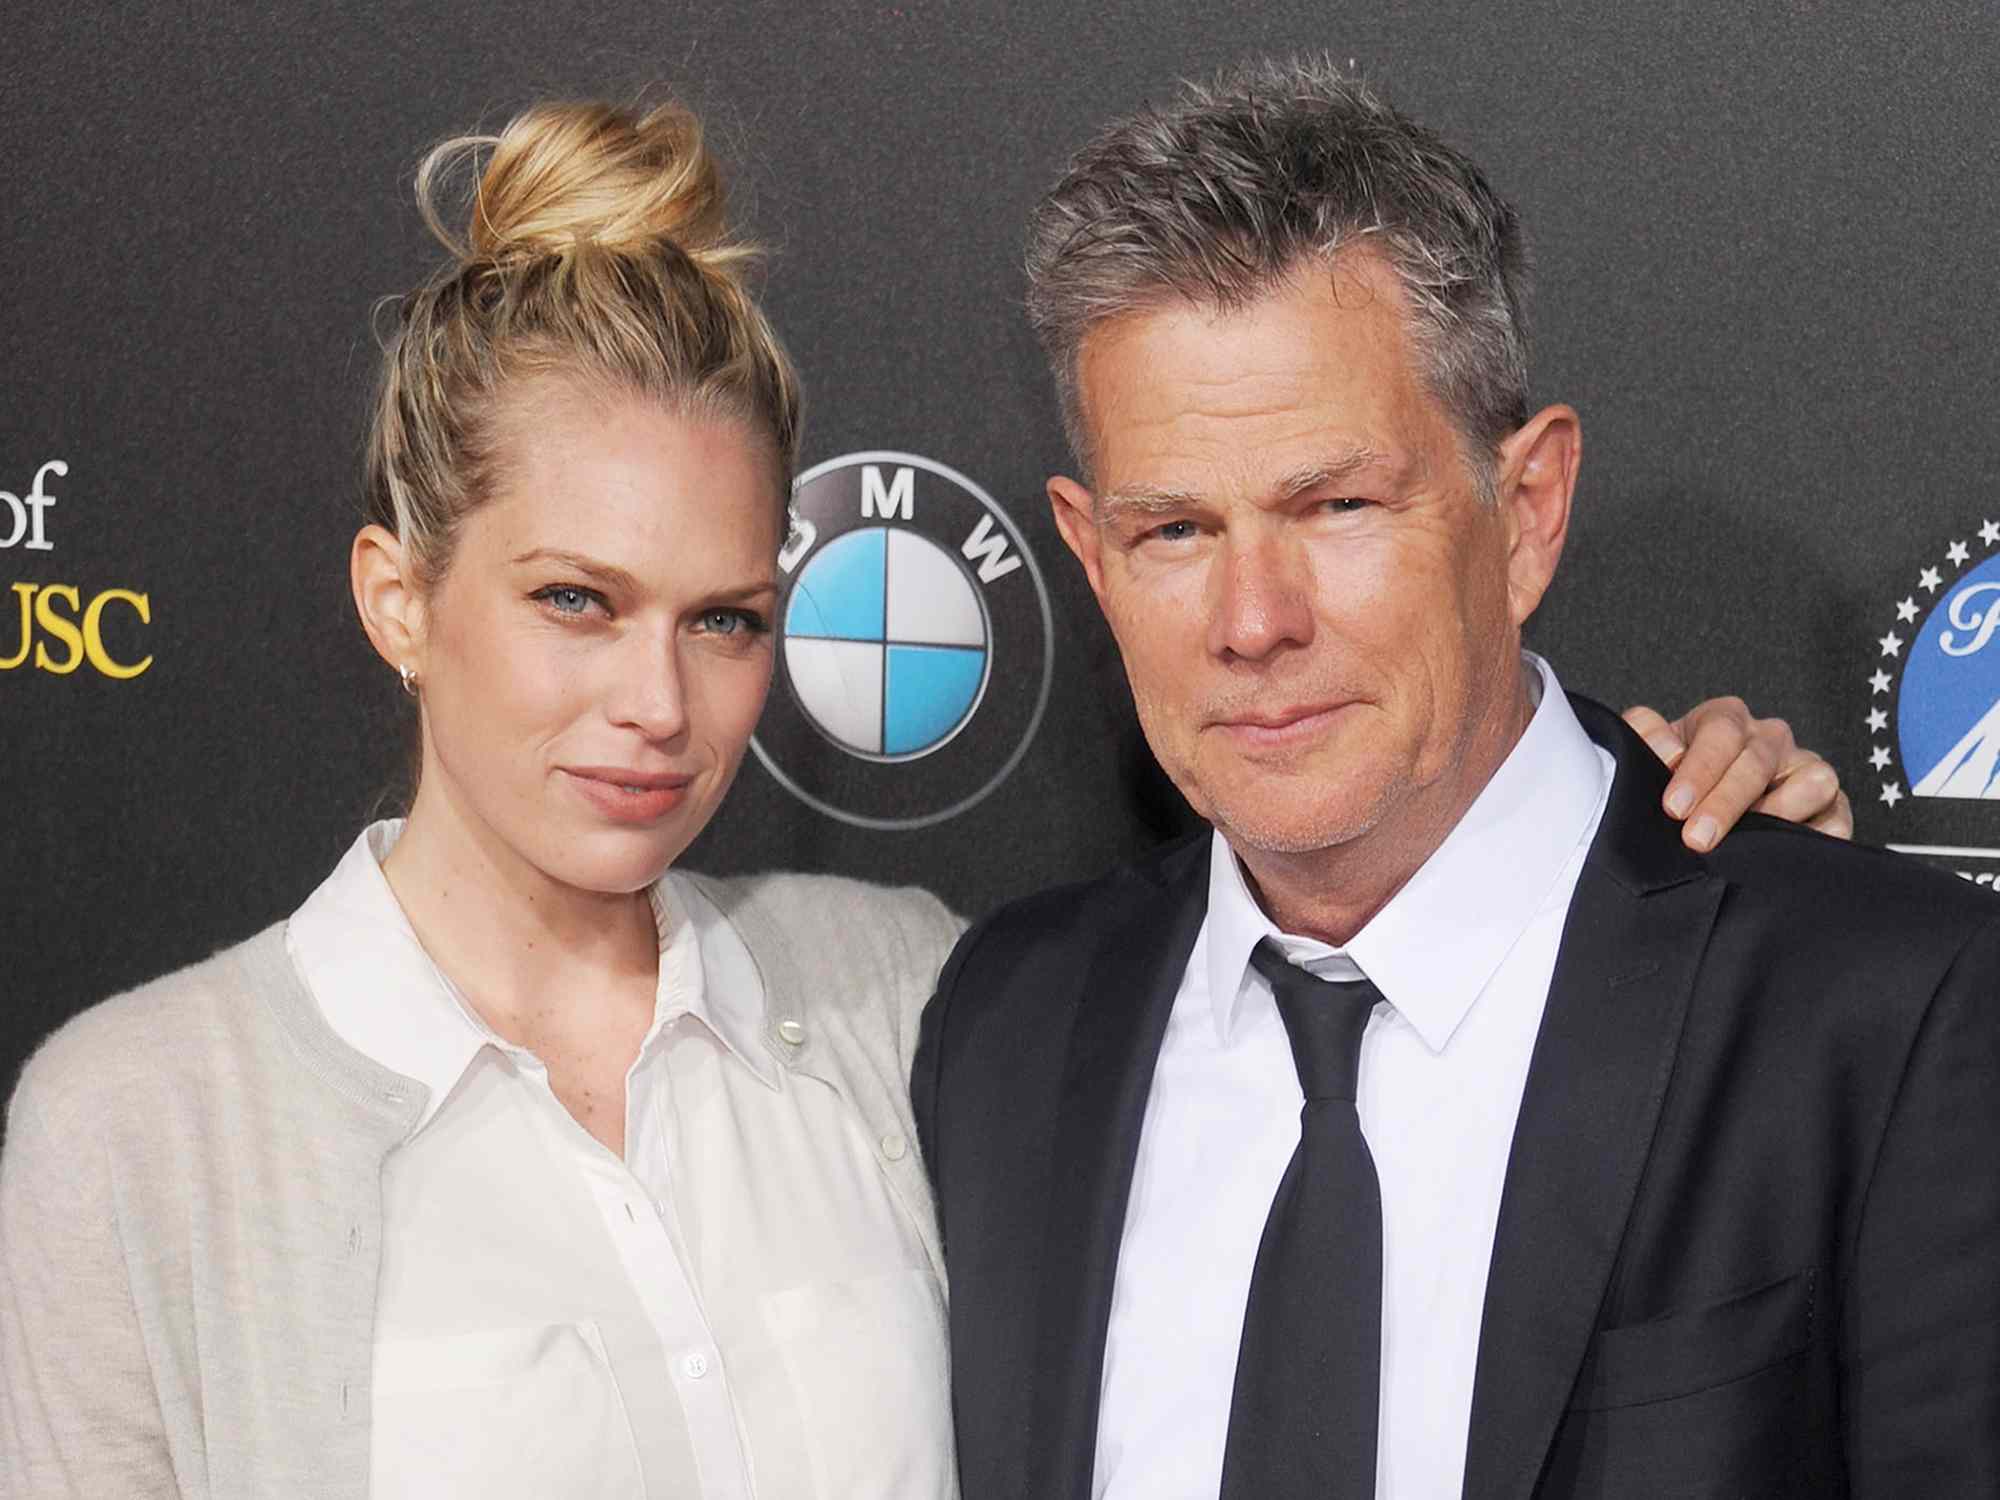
column 605, row 573
column 1329, row 471
column 1142, row 500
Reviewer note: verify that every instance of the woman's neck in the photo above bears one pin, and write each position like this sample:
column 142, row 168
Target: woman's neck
column 527, row 951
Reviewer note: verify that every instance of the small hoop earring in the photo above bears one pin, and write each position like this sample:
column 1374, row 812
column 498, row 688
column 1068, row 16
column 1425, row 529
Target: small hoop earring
column 409, row 675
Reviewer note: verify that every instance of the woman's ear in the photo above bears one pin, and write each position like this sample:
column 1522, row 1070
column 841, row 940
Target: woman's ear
column 388, row 600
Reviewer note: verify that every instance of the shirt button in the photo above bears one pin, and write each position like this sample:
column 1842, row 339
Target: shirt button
column 792, row 1031
column 895, row 1147
column 695, row 1365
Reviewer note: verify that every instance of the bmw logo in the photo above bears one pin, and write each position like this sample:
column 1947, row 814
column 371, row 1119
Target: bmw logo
column 915, row 647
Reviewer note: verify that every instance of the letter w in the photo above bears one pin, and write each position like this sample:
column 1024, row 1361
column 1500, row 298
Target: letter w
column 988, row 549
column 898, row 499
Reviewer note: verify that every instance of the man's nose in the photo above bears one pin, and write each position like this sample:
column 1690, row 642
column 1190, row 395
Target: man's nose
column 1262, row 598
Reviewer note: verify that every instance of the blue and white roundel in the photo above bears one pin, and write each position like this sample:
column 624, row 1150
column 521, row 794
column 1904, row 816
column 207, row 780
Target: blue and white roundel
column 887, row 644
column 915, row 644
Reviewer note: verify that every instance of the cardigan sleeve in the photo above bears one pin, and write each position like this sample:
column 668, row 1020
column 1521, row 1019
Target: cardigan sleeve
column 79, row 1415
column 930, row 931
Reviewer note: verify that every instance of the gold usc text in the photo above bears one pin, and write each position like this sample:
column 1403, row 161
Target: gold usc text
column 71, row 631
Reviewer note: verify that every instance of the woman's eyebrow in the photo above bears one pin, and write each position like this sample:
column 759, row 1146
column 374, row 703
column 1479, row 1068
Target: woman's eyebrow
column 589, row 567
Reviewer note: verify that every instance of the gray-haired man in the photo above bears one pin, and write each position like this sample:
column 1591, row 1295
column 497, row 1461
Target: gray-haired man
column 1440, row 1123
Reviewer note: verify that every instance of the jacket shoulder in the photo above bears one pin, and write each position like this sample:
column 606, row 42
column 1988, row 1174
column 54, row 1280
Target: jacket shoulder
column 1833, row 886
column 1810, row 887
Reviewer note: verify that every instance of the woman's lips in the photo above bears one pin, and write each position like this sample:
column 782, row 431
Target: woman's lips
column 629, row 796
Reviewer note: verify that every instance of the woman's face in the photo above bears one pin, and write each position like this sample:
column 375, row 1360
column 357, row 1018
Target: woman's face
column 597, row 654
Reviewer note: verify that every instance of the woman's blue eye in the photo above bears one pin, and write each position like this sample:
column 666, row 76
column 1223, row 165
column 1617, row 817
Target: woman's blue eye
column 565, row 599
column 731, row 622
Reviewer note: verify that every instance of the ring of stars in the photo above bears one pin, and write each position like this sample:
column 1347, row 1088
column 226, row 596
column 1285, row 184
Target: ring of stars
column 1930, row 580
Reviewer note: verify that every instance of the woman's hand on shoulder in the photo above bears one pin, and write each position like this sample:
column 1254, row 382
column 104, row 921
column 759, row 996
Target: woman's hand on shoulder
column 1727, row 762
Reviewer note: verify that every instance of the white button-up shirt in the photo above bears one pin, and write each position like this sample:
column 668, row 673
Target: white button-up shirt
column 739, row 1307
column 1463, row 955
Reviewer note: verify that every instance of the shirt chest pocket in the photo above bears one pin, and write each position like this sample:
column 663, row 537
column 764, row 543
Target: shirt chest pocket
column 500, row 1413
column 866, row 1363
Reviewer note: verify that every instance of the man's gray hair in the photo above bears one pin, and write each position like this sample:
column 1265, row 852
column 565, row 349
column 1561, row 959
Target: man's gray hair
column 1219, row 196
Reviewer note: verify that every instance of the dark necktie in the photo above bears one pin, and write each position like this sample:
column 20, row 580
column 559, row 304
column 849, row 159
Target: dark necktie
column 1302, row 1419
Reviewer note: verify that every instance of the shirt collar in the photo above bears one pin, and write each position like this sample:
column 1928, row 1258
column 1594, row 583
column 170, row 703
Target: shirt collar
column 374, row 982
column 1432, row 949
column 706, row 971
column 384, row 997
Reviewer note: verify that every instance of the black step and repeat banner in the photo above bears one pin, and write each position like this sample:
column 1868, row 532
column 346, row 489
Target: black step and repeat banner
column 1766, row 237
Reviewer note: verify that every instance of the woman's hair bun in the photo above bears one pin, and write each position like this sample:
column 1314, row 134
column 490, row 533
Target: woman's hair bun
column 595, row 247
column 564, row 177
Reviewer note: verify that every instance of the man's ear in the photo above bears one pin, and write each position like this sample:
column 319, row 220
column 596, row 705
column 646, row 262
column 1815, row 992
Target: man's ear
column 1076, row 518
column 1534, row 483
column 387, row 598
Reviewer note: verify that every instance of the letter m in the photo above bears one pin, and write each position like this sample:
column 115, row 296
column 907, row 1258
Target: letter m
column 988, row 549
column 899, row 499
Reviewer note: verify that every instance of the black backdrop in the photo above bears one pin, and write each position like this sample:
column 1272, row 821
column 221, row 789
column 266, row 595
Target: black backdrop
column 1765, row 234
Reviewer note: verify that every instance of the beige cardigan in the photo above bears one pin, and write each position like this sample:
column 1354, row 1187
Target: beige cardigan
column 190, row 1198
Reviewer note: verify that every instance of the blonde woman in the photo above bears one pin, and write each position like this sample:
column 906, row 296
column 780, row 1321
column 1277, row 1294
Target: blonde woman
column 518, row 1162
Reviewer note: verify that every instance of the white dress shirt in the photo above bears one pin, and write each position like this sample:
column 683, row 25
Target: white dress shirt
column 739, row 1307
column 1463, row 955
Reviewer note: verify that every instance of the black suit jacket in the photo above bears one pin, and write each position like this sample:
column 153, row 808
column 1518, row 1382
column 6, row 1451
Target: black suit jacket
column 1749, row 1241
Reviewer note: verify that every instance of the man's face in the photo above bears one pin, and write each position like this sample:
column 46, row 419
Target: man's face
column 1318, row 612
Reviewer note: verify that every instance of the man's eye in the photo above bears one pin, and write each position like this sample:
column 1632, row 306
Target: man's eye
column 1346, row 504
column 1173, row 531
column 566, row 599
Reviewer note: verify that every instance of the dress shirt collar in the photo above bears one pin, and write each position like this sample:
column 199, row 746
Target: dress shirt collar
column 1437, row 942
column 727, row 992
column 384, row 997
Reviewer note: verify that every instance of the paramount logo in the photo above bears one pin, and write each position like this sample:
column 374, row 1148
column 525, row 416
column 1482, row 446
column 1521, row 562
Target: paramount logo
column 1967, row 770
column 1934, row 713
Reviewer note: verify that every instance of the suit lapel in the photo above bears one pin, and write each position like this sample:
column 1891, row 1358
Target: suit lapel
column 1127, row 995
column 1637, row 928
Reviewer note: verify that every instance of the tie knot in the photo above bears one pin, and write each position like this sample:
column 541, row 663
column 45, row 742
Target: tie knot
column 1324, row 1019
